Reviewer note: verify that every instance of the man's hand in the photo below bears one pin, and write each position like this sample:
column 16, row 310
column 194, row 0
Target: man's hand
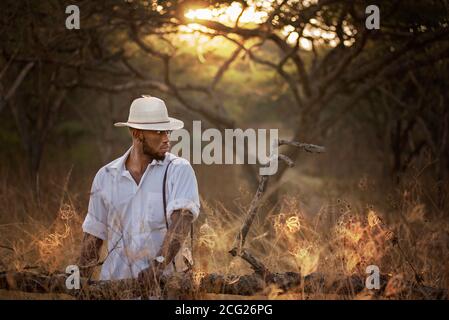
column 149, row 280
column 90, row 251
column 150, row 275
column 175, row 236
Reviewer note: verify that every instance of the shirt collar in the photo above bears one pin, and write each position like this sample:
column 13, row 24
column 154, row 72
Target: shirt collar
column 119, row 164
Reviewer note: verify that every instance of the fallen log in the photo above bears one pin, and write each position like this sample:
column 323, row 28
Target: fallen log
column 192, row 285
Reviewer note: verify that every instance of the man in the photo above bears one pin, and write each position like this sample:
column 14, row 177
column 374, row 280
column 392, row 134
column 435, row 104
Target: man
column 126, row 206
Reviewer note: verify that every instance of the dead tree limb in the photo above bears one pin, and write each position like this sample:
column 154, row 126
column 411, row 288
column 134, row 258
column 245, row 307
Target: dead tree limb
column 305, row 146
column 258, row 267
column 188, row 284
column 239, row 242
column 252, row 211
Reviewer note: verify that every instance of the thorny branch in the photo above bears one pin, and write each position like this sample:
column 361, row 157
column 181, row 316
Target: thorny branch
column 239, row 242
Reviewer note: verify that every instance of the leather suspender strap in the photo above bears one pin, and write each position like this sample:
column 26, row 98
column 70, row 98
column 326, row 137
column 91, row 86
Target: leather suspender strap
column 164, row 199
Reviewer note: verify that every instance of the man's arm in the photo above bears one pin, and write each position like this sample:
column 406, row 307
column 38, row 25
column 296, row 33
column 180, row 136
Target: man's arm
column 90, row 252
column 174, row 238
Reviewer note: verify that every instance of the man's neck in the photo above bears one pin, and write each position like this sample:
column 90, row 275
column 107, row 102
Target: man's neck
column 137, row 161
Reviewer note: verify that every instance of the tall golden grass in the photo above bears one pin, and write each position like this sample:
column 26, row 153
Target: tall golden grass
column 409, row 240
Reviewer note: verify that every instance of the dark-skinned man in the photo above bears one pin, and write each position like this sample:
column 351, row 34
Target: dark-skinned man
column 126, row 206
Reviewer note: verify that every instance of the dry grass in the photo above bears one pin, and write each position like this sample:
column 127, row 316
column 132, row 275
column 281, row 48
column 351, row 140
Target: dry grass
column 409, row 240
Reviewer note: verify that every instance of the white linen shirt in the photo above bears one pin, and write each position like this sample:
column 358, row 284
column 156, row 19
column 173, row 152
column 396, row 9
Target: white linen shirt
column 130, row 216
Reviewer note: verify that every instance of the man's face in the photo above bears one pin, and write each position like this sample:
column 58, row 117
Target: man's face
column 154, row 143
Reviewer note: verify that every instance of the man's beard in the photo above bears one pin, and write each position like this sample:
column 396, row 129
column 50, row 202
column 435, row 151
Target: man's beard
column 147, row 150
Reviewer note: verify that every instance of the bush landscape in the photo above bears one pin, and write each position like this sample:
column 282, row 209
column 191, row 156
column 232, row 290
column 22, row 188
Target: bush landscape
column 377, row 100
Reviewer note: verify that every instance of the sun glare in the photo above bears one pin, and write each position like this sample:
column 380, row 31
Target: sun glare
column 230, row 14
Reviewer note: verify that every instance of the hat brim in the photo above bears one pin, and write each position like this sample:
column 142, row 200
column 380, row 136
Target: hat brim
column 173, row 124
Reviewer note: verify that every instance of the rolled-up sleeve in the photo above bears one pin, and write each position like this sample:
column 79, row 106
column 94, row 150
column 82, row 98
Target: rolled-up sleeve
column 96, row 219
column 183, row 190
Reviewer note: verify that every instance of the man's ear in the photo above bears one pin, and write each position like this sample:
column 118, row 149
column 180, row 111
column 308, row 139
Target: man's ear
column 135, row 133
